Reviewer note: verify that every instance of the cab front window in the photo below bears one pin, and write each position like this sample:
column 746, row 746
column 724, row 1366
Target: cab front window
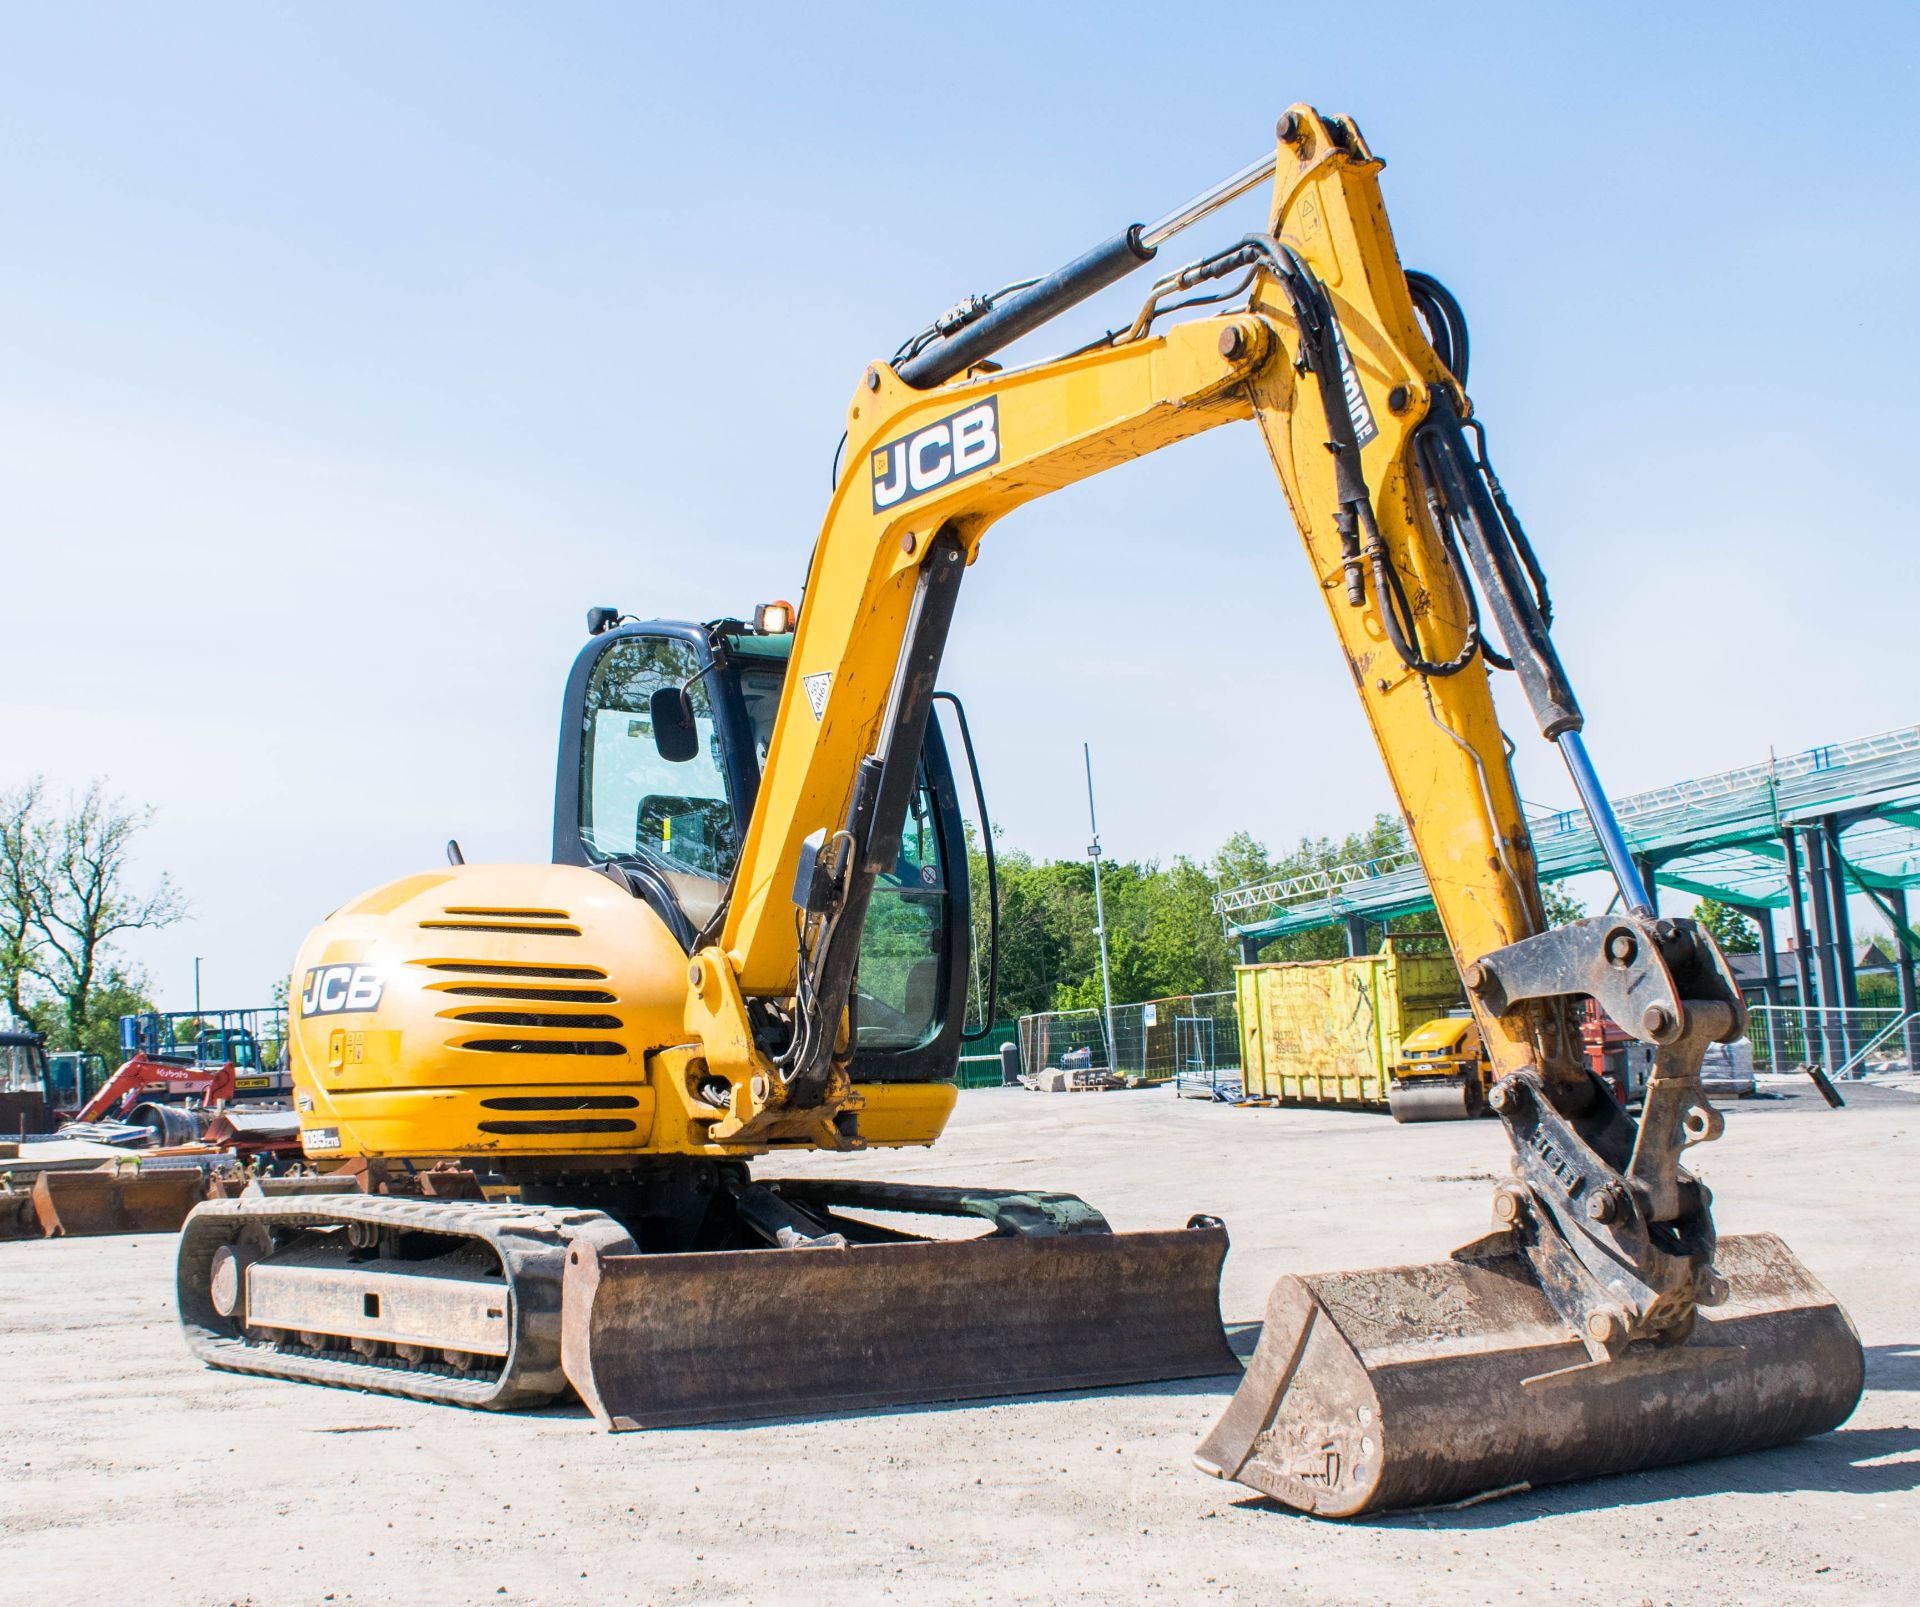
column 677, row 816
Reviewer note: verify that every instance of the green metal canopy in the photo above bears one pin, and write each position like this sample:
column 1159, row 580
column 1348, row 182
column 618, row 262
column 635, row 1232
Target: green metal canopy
column 1716, row 837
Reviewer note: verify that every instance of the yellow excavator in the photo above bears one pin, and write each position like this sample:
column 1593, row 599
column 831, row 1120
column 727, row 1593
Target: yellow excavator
column 753, row 940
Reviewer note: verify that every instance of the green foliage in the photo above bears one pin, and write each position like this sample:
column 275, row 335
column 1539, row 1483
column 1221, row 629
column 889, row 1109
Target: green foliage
column 1560, row 905
column 1878, row 991
column 117, row 993
column 66, row 901
column 1383, row 837
column 1163, row 937
column 1731, row 930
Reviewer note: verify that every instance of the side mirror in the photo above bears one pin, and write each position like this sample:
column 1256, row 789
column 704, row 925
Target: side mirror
column 675, row 737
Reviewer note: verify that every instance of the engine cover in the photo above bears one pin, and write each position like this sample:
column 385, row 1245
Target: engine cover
column 484, row 1009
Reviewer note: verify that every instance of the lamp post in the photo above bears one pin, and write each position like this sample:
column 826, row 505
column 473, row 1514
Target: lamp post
column 1099, row 910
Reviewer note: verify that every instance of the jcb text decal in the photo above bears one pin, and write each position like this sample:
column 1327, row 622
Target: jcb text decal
column 332, row 990
column 958, row 444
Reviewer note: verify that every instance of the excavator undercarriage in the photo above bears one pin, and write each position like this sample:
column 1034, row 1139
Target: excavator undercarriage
column 754, row 937
column 509, row 1305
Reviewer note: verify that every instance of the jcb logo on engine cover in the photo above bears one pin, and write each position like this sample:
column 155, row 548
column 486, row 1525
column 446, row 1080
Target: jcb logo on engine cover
column 332, row 990
column 958, row 444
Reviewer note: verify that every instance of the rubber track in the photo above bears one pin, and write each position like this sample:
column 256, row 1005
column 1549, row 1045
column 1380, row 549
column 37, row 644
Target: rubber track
column 531, row 1242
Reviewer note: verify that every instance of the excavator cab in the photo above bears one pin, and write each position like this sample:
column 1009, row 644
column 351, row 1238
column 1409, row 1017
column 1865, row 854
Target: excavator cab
column 667, row 822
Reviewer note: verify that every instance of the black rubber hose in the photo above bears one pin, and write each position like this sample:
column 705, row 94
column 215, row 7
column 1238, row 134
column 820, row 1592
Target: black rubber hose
column 1445, row 320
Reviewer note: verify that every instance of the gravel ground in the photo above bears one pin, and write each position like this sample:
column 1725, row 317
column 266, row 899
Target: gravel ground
column 133, row 1475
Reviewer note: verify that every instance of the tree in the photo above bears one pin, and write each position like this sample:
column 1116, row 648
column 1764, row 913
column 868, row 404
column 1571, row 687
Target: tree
column 67, row 894
column 1731, row 930
column 1163, row 937
column 1559, row 905
column 1384, row 837
column 22, row 851
column 118, row 993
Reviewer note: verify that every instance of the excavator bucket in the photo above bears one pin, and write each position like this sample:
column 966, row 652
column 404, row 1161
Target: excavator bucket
column 1423, row 1385
column 657, row 1341
column 75, row 1204
column 17, row 1219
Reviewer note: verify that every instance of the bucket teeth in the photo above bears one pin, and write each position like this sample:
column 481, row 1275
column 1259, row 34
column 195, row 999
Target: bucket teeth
column 1409, row 1386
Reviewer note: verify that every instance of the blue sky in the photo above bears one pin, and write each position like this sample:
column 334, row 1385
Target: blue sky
column 348, row 353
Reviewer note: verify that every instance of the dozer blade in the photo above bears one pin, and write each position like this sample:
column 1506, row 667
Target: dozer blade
column 1434, row 1099
column 658, row 1341
column 1409, row 1386
column 74, row 1204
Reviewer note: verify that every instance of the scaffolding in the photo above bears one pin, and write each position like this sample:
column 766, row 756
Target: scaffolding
column 1798, row 834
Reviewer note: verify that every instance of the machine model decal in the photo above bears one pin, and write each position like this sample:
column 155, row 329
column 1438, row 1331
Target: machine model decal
column 961, row 443
column 1364, row 429
column 315, row 1138
column 331, row 990
column 817, row 686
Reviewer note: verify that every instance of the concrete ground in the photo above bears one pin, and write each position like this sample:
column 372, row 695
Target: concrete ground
column 133, row 1475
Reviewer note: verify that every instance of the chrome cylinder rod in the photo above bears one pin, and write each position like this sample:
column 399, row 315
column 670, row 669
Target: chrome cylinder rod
column 1208, row 200
column 988, row 327
column 1613, row 842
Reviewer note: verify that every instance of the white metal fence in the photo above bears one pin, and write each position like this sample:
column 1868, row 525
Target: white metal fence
column 1843, row 1042
column 1188, row 1035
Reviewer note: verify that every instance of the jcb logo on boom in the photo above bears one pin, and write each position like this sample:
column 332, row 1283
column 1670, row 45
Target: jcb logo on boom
column 332, row 990
column 958, row 444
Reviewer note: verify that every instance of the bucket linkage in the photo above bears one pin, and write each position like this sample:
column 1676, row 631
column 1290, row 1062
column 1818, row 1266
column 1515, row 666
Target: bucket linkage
column 1572, row 1341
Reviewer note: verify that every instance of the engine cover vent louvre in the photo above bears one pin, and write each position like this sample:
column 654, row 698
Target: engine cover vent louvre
column 561, row 1102
column 470, row 990
column 583, row 973
column 583, row 1124
column 516, row 930
column 532, row 1018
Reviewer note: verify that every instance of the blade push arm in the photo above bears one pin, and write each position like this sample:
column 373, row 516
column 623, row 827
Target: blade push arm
column 1368, row 433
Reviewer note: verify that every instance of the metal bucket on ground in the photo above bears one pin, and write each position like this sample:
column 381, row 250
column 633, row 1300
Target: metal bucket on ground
column 111, row 1200
column 655, row 1341
column 17, row 1219
column 1410, row 1386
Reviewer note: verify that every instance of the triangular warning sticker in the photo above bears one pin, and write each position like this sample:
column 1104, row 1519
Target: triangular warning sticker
column 816, row 686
